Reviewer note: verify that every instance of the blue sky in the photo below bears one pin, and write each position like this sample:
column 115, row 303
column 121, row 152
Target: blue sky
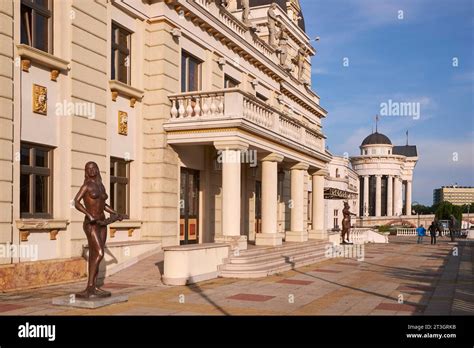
column 403, row 60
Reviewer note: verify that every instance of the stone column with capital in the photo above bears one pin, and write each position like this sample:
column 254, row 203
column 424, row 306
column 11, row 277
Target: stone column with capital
column 318, row 231
column 378, row 195
column 397, row 196
column 298, row 231
column 270, row 235
column 390, row 195
column 408, row 198
column 229, row 154
column 365, row 208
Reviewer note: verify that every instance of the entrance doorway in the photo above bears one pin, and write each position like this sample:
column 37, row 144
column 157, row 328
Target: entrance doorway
column 189, row 207
column 258, row 207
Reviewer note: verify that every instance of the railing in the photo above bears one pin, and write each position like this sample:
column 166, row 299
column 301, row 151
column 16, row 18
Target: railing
column 228, row 19
column 358, row 235
column 412, row 232
column 229, row 104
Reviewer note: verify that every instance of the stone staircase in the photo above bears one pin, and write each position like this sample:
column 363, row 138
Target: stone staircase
column 260, row 262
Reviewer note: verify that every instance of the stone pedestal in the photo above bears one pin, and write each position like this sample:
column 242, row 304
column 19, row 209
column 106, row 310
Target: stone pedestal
column 91, row 303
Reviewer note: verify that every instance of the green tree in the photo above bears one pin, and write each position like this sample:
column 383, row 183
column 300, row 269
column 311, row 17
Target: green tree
column 445, row 209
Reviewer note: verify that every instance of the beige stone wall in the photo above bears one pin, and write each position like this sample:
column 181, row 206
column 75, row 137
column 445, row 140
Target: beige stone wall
column 6, row 120
column 160, row 161
column 89, row 83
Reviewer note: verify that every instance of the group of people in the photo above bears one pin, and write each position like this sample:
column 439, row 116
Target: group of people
column 437, row 227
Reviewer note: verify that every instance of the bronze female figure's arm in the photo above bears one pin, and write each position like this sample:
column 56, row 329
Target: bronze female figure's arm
column 78, row 204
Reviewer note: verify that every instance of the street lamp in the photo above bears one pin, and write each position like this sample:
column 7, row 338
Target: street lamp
column 417, row 212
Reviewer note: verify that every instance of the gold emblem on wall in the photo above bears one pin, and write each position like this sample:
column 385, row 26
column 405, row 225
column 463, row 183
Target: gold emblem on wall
column 122, row 123
column 40, row 98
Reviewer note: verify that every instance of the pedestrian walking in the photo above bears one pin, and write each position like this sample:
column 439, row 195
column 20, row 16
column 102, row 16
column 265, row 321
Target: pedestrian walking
column 433, row 228
column 421, row 233
column 453, row 223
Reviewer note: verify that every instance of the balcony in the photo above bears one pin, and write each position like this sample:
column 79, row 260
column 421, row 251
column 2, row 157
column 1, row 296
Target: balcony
column 240, row 110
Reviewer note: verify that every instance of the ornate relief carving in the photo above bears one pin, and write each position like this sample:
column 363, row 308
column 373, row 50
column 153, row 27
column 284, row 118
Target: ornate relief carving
column 122, row 123
column 40, row 97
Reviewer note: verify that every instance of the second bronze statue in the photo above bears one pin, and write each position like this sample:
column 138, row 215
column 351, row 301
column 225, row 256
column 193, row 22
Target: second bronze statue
column 346, row 223
column 92, row 193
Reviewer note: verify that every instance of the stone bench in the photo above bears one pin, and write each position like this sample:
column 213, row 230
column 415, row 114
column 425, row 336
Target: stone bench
column 187, row 264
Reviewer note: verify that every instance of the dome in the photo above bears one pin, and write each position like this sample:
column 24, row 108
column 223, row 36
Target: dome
column 376, row 139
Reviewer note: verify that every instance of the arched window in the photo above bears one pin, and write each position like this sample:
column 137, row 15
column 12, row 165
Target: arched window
column 337, row 172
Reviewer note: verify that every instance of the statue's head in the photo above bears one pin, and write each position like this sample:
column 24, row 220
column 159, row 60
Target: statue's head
column 346, row 205
column 92, row 171
column 273, row 6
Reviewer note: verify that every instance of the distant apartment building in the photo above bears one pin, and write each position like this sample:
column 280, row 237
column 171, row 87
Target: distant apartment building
column 457, row 195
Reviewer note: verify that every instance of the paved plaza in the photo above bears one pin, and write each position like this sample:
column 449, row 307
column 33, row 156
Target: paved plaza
column 399, row 278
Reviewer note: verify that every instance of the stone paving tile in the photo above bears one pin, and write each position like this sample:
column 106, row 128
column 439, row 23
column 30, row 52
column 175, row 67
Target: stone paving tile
column 251, row 297
column 295, row 282
column 430, row 280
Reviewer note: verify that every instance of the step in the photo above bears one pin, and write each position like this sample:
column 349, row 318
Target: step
column 242, row 260
column 245, row 258
column 274, row 261
column 266, row 271
column 286, row 246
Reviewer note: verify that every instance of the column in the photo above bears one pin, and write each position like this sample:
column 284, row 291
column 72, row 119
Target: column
column 270, row 235
column 390, row 195
column 318, row 231
column 298, row 231
column 408, row 198
column 378, row 195
column 230, row 155
column 365, row 208
column 397, row 194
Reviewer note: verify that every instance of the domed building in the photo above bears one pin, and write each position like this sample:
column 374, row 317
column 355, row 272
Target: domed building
column 386, row 175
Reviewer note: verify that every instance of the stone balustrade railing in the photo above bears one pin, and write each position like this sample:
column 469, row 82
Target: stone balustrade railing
column 412, row 232
column 233, row 103
column 239, row 28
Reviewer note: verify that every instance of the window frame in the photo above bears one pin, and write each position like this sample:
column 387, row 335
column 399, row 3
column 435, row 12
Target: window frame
column 228, row 78
column 185, row 79
column 116, row 48
column 32, row 170
column 115, row 179
column 34, row 9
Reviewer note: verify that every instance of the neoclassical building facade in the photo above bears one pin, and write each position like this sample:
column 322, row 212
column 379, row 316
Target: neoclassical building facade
column 386, row 175
column 199, row 114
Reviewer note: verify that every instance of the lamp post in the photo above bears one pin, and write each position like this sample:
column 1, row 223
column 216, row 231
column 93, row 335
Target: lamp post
column 417, row 212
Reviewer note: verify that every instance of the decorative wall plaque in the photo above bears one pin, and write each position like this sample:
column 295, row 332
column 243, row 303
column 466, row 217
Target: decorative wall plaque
column 122, row 123
column 40, row 97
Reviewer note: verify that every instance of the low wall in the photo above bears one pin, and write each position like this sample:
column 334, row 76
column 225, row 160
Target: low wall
column 26, row 275
column 189, row 264
column 120, row 255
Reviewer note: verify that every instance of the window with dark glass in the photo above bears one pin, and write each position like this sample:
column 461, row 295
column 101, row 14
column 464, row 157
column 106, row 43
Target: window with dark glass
column 35, row 181
column 230, row 82
column 190, row 73
column 120, row 185
column 121, row 41
column 261, row 97
column 36, row 24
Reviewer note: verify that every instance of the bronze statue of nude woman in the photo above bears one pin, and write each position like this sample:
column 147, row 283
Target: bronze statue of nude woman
column 346, row 223
column 93, row 194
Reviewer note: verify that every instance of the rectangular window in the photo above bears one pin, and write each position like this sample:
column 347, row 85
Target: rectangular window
column 121, row 58
column 36, row 181
column 120, row 185
column 230, row 82
column 190, row 73
column 36, row 24
column 261, row 97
